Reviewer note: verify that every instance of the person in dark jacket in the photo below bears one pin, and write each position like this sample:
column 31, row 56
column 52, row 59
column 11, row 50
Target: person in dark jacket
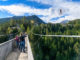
column 22, row 42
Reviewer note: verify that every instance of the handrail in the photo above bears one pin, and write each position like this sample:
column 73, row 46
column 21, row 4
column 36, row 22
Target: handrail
column 30, row 55
column 5, row 42
column 58, row 35
column 5, row 49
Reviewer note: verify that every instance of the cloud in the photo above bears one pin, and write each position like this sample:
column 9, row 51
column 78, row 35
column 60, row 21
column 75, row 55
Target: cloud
column 68, row 7
column 3, row 0
column 70, row 10
column 52, row 2
column 22, row 9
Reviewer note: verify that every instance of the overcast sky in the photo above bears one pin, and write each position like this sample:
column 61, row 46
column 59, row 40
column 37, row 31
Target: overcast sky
column 47, row 10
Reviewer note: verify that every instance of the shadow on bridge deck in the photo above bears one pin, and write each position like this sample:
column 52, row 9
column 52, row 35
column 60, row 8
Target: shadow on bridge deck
column 17, row 55
column 14, row 55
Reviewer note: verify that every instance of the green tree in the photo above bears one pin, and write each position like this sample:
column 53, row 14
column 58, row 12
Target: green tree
column 22, row 27
column 9, row 30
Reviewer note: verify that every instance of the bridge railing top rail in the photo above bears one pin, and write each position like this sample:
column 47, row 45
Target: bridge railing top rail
column 6, row 42
column 57, row 35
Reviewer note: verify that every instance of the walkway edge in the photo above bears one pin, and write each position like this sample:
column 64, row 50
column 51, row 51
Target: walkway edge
column 30, row 55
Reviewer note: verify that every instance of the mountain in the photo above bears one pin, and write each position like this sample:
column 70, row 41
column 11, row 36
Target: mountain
column 76, row 21
column 33, row 17
column 65, row 21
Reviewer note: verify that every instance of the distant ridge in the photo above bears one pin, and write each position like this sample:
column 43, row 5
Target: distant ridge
column 33, row 17
column 65, row 21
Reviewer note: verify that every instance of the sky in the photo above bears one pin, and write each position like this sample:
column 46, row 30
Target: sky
column 47, row 10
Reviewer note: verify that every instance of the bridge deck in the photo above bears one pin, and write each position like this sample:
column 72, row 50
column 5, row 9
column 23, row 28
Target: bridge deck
column 14, row 55
column 23, row 56
column 17, row 55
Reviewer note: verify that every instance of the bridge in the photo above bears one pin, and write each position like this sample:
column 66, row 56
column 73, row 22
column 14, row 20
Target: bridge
column 8, row 51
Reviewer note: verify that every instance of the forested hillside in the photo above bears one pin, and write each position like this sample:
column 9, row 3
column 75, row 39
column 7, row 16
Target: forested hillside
column 56, row 48
column 28, row 18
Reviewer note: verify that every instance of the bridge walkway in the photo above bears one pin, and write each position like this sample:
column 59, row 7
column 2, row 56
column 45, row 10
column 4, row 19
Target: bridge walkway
column 17, row 55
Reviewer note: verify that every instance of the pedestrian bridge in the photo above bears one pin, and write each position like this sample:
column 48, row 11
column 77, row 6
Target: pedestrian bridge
column 8, row 51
